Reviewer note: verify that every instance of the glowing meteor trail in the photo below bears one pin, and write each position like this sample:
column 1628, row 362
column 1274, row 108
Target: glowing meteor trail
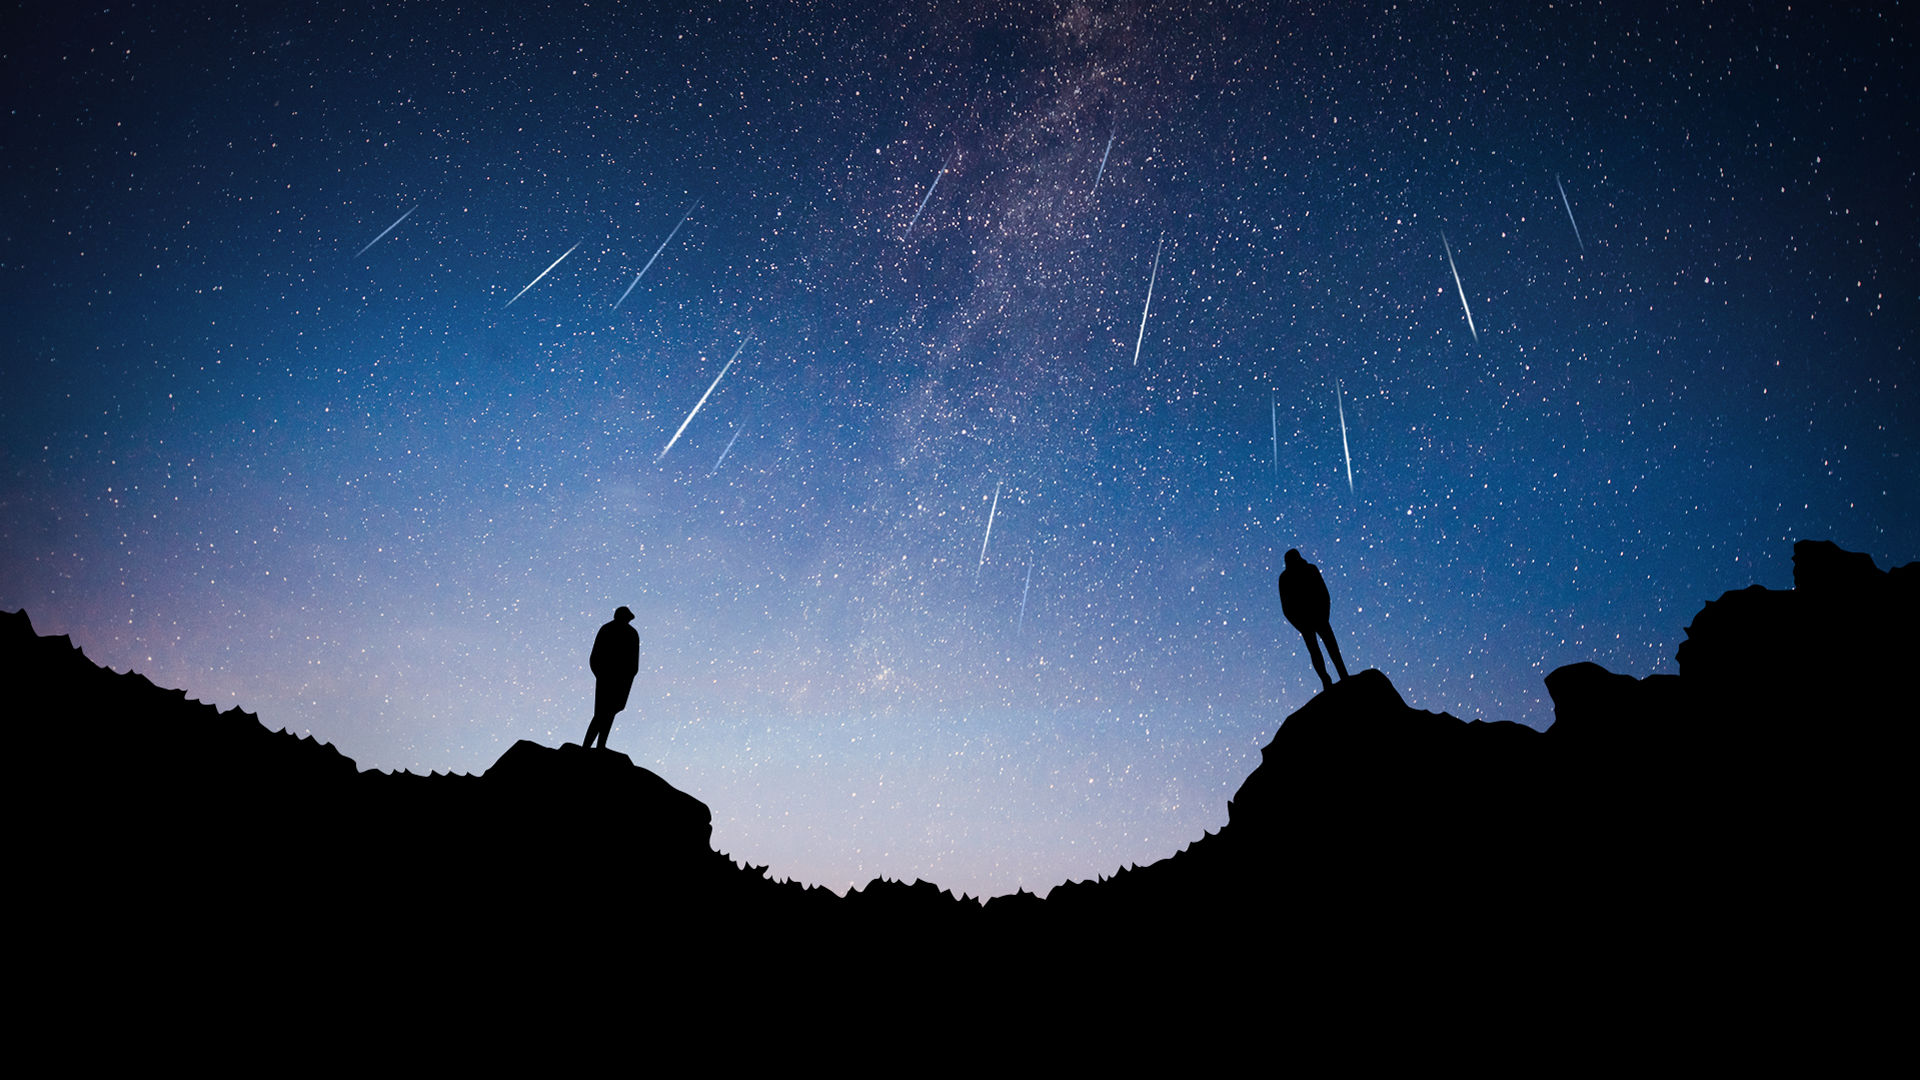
column 989, row 536
column 1155, row 276
column 1275, row 403
column 728, row 450
column 656, row 254
column 1023, row 601
column 1103, row 166
column 1344, row 451
column 1462, row 288
column 543, row 273
column 1569, row 206
column 927, row 197
column 703, row 400
column 385, row 231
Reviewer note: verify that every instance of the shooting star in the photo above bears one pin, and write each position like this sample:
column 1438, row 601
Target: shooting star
column 1155, row 276
column 656, row 254
column 1103, row 165
column 1569, row 206
column 989, row 536
column 385, row 231
column 728, row 450
column 1344, row 451
column 703, row 399
column 1023, row 601
column 925, row 198
column 1462, row 288
column 543, row 273
column 1275, row 402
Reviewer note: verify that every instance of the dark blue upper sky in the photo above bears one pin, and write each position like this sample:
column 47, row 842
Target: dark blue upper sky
column 361, row 495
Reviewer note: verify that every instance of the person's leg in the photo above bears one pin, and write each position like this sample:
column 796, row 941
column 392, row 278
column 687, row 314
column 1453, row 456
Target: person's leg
column 608, row 700
column 1334, row 648
column 1319, row 662
column 608, row 697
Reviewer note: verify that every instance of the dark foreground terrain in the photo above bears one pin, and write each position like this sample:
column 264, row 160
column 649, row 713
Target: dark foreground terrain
column 1715, row 854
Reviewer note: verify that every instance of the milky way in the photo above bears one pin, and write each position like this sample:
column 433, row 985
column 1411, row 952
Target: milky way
column 364, row 498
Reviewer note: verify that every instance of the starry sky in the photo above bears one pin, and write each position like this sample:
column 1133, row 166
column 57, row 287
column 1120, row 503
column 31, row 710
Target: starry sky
column 961, row 570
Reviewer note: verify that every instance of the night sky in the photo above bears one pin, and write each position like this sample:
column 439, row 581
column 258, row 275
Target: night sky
column 364, row 497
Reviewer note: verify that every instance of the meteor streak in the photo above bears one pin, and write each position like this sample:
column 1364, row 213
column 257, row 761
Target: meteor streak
column 925, row 198
column 1275, row 402
column 1103, row 166
column 703, row 400
column 543, row 273
column 989, row 536
column 1023, row 601
column 656, row 254
column 1155, row 276
column 1462, row 288
column 1569, row 206
column 1344, row 451
column 385, row 231
column 728, row 450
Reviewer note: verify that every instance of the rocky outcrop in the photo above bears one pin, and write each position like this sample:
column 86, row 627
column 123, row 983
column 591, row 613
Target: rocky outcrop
column 1716, row 815
column 1673, row 815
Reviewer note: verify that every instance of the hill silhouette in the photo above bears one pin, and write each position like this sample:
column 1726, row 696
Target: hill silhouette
column 1726, row 830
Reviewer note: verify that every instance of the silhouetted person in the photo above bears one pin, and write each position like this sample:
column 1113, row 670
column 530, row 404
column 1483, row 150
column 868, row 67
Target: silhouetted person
column 1304, row 601
column 615, row 661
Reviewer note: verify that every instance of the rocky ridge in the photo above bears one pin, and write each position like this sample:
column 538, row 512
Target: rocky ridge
column 1670, row 816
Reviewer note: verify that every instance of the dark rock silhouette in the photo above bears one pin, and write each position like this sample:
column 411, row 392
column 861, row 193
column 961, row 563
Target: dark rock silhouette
column 1727, row 835
column 1305, row 603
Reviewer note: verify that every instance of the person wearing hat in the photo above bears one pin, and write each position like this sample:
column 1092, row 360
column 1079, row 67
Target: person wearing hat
column 615, row 661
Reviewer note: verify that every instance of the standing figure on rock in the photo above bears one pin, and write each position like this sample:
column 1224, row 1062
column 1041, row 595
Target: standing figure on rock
column 615, row 661
column 1304, row 601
